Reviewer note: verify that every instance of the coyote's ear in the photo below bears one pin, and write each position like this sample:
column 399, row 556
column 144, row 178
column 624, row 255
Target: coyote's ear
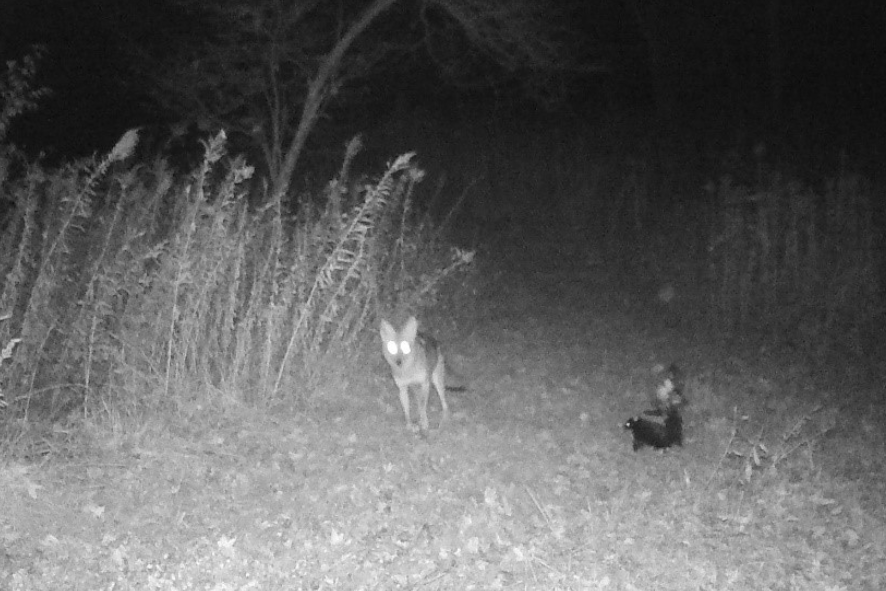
column 411, row 329
column 387, row 331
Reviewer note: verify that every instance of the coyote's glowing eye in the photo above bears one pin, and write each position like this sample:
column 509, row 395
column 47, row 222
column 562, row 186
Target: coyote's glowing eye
column 391, row 346
column 405, row 348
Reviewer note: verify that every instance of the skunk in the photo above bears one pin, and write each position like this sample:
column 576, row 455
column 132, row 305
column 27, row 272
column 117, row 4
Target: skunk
column 669, row 392
column 655, row 434
column 668, row 402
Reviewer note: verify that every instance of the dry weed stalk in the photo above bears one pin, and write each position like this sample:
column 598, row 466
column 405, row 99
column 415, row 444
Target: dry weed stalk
column 137, row 289
column 337, row 301
column 755, row 453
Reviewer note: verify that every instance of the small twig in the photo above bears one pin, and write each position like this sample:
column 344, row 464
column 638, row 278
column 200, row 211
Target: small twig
column 433, row 579
column 541, row 509
column 806, row 441
column 47, row 389
column 725, row 451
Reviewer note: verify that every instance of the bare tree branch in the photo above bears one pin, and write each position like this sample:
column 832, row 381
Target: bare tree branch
column 511, row 33
column 318, row 90
column 268, row 68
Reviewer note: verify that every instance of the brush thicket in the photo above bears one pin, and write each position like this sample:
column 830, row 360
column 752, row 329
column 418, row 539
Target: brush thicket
column 129, row 287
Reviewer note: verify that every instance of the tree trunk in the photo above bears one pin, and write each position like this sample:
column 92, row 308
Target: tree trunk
column 318, row 92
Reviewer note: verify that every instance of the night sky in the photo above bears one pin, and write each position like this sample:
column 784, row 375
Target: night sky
column 715, row 60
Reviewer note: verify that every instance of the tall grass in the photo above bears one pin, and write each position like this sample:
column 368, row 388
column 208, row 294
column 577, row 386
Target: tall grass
column 127, row 288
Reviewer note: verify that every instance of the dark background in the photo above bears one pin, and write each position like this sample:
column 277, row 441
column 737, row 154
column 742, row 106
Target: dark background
column 716, row 71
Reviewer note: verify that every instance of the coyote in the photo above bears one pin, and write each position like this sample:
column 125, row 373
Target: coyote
column 416, row 360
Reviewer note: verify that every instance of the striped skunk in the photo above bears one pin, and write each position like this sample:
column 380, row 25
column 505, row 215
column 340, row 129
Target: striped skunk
column 668, row 401
column 669, row 392
column 655, row 434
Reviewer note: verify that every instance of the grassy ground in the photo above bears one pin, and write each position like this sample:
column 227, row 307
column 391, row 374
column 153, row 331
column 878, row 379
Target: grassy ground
column 532, row 485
